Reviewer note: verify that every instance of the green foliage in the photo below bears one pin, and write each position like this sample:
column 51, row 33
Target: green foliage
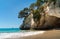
column 32, row 6
column 54, row 1
column 25, row 9
column 23, row 13
column 36, row 12
column 38, row 2
column 20, row 14
column 36, row 15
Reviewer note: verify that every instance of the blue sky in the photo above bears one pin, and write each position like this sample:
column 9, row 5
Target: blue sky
column 9, row 10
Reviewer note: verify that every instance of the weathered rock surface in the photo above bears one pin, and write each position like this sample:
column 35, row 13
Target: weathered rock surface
column 49, row 21
column 27, row 23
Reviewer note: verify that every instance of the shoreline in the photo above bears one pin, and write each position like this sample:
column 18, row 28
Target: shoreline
column 50, row 34
column 20, row 34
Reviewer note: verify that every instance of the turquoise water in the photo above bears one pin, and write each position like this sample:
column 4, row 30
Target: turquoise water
column 9, row 30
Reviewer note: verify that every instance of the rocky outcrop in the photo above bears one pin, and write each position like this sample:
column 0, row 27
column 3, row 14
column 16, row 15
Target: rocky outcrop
column 24, row 27
column 50, row 23
column 27, row 23
column 47, row 21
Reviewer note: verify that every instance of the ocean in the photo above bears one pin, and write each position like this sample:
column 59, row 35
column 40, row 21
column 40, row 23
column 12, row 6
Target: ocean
column 9, row 30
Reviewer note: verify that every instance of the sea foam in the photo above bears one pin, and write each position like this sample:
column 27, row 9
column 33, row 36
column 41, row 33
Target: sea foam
column 19, row 34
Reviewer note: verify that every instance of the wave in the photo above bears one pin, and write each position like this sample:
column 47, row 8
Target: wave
column 19, row 34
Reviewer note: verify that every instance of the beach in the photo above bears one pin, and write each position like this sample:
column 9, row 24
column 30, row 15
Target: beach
column 50, row 34
column 19, row 35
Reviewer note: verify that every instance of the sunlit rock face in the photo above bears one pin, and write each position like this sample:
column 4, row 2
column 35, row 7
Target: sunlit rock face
column 52, row 22
column 27, row 23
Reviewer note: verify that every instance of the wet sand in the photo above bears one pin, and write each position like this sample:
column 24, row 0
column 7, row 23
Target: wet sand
column 51, row 34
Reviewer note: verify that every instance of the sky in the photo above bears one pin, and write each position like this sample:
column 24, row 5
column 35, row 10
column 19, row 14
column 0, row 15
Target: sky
column 9, row 10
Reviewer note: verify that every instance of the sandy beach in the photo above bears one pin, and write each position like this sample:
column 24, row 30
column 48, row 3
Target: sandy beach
column 50, row 34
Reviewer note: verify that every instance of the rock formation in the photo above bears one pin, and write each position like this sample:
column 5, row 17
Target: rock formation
column 49, row 21
column 27, row 23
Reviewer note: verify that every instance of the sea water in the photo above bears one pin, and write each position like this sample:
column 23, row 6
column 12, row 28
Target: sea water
column 9, row 30
column 5, row 32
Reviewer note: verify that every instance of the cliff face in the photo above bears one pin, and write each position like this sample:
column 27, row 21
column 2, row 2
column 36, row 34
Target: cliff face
column 49, row 21
column 27, row 23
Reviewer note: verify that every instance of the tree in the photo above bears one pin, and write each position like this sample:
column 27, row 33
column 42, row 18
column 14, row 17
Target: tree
column 32, row 6
column 20, row 15
column 54, row 2
column 38, row 3
column 23, row 13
